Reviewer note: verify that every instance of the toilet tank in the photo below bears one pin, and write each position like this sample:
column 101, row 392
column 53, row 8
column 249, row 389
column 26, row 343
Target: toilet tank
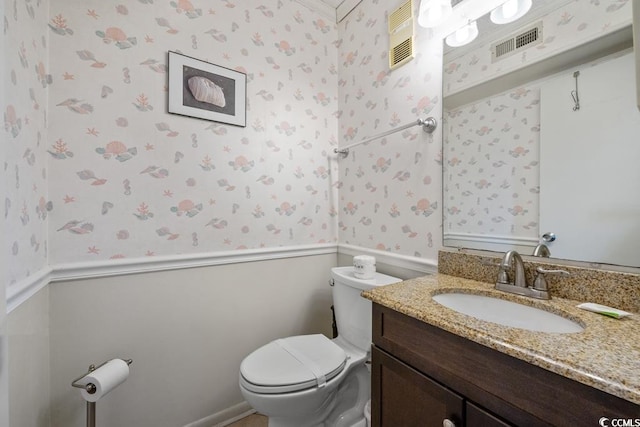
column 353, row 313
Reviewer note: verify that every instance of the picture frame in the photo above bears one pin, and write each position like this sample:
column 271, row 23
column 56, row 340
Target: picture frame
column 206, row 91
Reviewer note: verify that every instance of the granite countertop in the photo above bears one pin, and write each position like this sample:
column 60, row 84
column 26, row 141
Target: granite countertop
column 606, row 355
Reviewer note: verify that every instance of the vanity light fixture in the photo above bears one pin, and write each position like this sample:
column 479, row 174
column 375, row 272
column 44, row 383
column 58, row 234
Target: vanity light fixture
column 434, row 12
column 463, row 36
column 510, row 11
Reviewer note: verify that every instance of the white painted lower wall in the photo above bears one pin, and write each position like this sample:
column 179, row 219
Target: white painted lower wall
column 187, row 325
column 4, row 366
column 187, row 332
column 4, row 342
column 28, row 362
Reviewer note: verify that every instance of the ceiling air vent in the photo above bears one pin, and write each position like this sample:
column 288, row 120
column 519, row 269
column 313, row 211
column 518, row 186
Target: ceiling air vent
column 515, row 43
column 401, row 35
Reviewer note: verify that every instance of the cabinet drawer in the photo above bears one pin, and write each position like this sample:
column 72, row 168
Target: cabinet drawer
column 478, row 417
column 519, row 392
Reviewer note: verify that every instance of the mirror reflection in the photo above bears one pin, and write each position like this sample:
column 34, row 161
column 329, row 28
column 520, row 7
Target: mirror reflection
column 520, row 160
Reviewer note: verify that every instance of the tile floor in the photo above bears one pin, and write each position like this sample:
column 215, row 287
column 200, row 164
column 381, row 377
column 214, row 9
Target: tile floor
column 255, row 420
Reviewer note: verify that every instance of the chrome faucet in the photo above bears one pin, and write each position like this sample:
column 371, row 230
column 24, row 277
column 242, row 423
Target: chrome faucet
column 512, row 257
column 519, row 283
column 542, row 250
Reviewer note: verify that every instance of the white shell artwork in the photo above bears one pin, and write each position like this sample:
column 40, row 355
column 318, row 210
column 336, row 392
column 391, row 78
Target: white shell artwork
column 204, row 90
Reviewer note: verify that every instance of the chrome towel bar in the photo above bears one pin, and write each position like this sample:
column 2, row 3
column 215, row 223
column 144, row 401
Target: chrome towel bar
column 428, row 125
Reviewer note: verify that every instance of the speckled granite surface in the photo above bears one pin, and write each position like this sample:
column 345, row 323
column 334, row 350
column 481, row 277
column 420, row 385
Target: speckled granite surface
column 615, row 289
column 606, row 355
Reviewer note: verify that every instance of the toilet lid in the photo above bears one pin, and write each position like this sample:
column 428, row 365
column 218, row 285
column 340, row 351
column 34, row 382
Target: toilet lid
column 292, row 364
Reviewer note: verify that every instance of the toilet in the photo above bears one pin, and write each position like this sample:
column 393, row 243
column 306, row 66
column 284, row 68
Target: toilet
column 310, row 380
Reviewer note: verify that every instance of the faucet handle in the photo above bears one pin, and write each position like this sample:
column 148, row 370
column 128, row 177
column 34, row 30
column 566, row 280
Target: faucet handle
column 540, row 282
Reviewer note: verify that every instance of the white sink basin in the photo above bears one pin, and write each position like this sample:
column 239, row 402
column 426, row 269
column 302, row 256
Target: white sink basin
column 507, row 313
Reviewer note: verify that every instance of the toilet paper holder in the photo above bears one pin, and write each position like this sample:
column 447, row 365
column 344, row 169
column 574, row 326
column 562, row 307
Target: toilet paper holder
column 91, row 389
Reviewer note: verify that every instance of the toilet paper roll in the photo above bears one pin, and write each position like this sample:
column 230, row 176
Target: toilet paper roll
column 364, row 267
column 105, row 378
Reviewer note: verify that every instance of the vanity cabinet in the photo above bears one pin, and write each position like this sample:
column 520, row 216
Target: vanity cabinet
column 405, row 397
column 423, row 375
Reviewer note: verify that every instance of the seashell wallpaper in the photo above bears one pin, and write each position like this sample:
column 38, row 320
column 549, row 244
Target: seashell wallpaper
column 390, row 189
column 96, row 169
column 121, row 178
column 483, row 152
column 101, row 171
column 179, row 185
column 27, row 78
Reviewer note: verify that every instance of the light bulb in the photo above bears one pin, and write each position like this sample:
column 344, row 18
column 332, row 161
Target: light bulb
column 434, row 12
column 463, row 35
column 509, row 9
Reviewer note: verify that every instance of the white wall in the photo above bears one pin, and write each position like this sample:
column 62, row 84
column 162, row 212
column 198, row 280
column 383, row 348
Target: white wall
column 4, row 368
column 28, row 339
column 585, row 195
column 4, row 354
column 187, row 332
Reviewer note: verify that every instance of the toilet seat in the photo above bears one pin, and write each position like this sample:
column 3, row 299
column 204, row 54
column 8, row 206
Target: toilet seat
column 292, row 364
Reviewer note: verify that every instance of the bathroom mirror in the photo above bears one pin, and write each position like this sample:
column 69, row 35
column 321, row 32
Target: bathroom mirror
column 540, row 135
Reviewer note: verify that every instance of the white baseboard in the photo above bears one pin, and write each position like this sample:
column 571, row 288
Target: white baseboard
column 225, row 417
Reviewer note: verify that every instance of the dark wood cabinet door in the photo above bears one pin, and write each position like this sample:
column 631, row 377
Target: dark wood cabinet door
column 478, row 417
column 403, row 397
column 517, row 391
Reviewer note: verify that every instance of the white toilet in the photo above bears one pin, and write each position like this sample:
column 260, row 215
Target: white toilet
column 310, row 380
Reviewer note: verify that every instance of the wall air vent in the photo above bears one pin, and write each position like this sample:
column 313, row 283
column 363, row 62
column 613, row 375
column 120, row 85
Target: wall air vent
column 401, row 52
column 522, row 40
column 401, row 35
column 400, row 16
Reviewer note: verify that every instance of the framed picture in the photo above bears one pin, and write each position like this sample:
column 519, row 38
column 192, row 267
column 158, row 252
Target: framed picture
column 207, row 91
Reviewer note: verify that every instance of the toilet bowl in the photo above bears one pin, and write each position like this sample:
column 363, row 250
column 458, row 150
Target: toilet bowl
column 310, row 380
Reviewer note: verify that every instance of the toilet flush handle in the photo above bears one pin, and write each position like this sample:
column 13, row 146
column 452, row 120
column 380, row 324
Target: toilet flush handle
column 332, row 282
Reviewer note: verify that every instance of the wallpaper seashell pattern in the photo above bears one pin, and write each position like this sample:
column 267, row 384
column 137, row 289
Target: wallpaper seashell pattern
column 27, row 77
column 390, row 188
column 491, row 160
column 101, row 171
column 204, row 90
column 95, row 169
column 171, row 180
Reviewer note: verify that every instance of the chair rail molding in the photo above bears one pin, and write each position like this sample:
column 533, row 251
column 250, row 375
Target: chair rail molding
column 22, row 290
column 422, row 265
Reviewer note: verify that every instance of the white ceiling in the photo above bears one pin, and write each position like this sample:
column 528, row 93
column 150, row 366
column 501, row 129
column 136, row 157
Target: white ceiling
column 333, row 3
column 336, row 10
